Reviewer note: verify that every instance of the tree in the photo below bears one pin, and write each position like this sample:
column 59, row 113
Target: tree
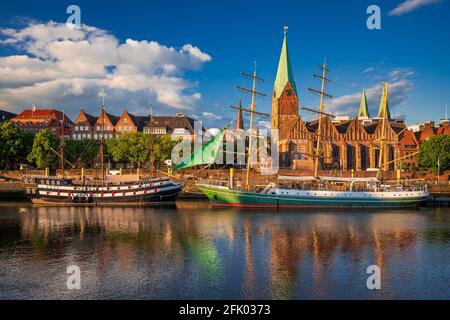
column 41, row 153
column 138, row 148
column 81, row 152
column 437, row 147
column 163, row 148
column 132, row 147
column 26, row 145
column 10, row 143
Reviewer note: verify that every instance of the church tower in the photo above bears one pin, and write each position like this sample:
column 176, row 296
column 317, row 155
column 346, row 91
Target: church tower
column 363, row 108
column 384, row 103
column 285, row 97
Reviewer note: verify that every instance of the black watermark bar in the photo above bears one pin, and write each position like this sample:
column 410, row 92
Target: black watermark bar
column 215, row 309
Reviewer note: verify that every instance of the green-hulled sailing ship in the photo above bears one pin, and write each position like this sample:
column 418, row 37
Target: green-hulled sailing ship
column 300, row 191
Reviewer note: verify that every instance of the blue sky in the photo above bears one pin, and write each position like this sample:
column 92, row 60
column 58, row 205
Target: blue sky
column 198, row 48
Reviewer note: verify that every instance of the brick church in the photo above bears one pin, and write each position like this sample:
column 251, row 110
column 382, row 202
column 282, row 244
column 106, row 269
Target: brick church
column 346, row 143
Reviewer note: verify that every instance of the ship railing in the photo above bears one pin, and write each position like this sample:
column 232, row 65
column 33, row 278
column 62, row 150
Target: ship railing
column 217, row 183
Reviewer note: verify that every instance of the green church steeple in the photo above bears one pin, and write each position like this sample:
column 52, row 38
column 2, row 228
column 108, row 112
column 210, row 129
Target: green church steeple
column 284, row 73
column 363, row 109
column 384, row 103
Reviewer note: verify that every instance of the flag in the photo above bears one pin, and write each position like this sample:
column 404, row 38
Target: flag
column 206, row 154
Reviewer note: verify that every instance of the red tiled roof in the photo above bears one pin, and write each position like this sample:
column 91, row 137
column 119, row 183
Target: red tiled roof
column 52, row 114
column 444, row 129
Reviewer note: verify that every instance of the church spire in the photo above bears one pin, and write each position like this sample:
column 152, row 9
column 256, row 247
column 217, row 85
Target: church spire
column 384, row 103
column 239, row 119
column 284, row 73
column 363, row 108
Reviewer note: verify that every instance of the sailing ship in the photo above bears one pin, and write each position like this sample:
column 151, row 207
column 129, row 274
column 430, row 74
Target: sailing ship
column 136, row 191
column 306, row 192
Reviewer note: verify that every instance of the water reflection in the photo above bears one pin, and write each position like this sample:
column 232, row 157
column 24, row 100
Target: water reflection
column 192, row 252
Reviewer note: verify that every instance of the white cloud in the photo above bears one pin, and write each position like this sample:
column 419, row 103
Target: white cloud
column 64, row 66
column 349, row 104
column 211, row 116
column 410, row 5
column 401, row 73
column 370, row 69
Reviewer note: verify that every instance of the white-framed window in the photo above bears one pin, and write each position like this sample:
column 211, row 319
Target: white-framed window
column 125, row 120
column 96, row 136
column 88, row 135
column 98, row 128
column 108, row 128
column 76, row 128
column 120, row 128
column 179, row 131
column 74, row 136
column 86, row 128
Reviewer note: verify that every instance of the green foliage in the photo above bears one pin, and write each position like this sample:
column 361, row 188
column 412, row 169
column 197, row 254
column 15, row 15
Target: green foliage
column 10, row 141
column 81, row 152
column 15, row 144
column 437, row 147
column 26, row 141
column 163, row 148
column 138, row 148
column 41, row 153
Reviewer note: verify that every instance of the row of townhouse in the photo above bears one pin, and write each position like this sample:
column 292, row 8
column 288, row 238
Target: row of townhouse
column 106, row 125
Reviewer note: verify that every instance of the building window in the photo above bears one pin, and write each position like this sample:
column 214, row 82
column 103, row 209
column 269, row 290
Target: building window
column 125, row 120
column 86, row 128
column 76, row 128
column 96, row 136
column 120, row 128
column 98, row 128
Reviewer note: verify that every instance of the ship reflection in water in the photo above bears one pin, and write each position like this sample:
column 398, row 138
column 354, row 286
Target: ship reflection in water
column 191, row 252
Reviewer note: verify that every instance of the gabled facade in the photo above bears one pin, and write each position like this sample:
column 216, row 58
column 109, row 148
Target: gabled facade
column 105, row 126
column 84, row 126
column 408, row 148
column 130, row 123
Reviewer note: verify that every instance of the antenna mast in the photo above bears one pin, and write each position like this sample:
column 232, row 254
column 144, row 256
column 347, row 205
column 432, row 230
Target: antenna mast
column 254, row 93
column 321, row 112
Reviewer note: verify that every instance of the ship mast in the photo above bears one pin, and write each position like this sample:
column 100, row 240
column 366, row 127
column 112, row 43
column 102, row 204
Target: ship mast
column 150, row 155
column 62, row 145
column 253, row 93
column 102, row 139
column 322, row 94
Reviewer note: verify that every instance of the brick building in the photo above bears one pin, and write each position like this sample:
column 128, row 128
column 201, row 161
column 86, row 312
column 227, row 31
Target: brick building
column 130, row 123
column 84, row 126
column 35, row 120
column 179, row 125
column 346, row 143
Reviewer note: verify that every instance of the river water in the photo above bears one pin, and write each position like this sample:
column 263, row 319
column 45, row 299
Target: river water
column 193, row 252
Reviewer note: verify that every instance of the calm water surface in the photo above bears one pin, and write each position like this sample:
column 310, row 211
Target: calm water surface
column 191, row 252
